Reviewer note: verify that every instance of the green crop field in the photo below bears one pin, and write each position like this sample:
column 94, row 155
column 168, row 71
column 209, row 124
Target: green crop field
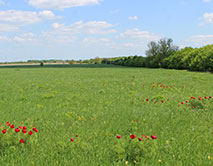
column 106, row 111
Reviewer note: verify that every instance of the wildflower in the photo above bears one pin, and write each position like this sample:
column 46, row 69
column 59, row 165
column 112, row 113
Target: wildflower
column 140, row 139
column 132, row 136
column 71, row 139
column 118, row 136
column 206, row 97
column 35, row 129
column 4, row 131
column 147, row 137
column 21, row 141
column 8, row 124
column 20, row 127
column 147, row 99
column 210, row 97
column 182, row 102
column 17, row 130
column 187, row 101
column 209, row 157
column 76, row 135
column 126, row 162
column 199, row 98
column 30, row 133
column 154, row 137
column 25, row 128
column 159, row 161
column 24, row 131
column 143, row 135
column 134, row 120
column 162, row 101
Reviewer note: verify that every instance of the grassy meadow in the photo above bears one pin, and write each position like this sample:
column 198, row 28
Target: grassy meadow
column 93, row 104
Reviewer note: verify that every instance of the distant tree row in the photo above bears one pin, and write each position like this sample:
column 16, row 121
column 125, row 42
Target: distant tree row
column 166, row 55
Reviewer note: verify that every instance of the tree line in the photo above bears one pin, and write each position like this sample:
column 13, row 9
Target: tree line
column 164, row 54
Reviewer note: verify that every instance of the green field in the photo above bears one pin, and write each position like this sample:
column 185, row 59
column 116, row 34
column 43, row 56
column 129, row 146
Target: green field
column 98, row 103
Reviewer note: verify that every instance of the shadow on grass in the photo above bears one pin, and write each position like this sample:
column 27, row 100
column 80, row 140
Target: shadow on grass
column 63, row 66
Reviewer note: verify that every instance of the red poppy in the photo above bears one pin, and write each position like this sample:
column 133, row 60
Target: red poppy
column 154, row 137
column 140, row 139
column 8, row 124
column 17, row 130
column 206, row 97
column 162, row 101
column 147, row 137
column 25, row 128
column 187, row 101
column 210, row 97
column 76, row 135
column 182, row 102
column 35, row 129
column 133, row 136
column 71, row 139
column 24, row 131
column 147, row 99
column 199, row 98
column 4, row 131
column 12, row 126
column 118, row 136
column 20, row 127
column 21, row 141
column 30, row 133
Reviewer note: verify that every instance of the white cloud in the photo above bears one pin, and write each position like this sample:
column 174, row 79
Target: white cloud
column 138, row 34
column 61, row 4
column 133, row 17
column 200, row 40
column 8, row 27
column 25, row 17
column 91, row 27
column 4, row 38
column 208, row 18
column 206, row 1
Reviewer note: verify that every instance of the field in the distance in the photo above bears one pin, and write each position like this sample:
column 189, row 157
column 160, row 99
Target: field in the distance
column 97, row 103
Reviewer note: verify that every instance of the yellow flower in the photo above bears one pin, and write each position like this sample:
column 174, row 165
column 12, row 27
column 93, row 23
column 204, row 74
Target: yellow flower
column 126, row 162
column 209, row 157
column 135, row 161
column 159, row 161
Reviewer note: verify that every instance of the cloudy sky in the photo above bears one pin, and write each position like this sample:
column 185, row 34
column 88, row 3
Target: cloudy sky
column 82, row 29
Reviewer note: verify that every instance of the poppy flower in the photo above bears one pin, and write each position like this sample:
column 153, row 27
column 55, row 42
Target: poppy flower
column 71, row 139
column 35, row 129
column 21, row 141
column 162, row 101
column 118, row 136
column 24, row 131
column 147, row 137
column 30, row 133
column 140, row 139
column 8, row 124
column 143, row 135
column 187, row 101
column 182, row 102
column 199, row 98
column 210, row 97
column 132, row 136
column 76, row 135
column 20, row 127
column 17, row 130
column 12, row 126
column 147, row 99
column 206, row 97
column 4, row 131
column 154, row 137
column 25, row 128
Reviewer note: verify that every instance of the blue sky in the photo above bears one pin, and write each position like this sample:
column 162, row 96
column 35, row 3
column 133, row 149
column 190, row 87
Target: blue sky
column 83, row 29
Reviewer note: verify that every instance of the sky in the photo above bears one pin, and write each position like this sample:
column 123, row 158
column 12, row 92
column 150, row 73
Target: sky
column 84, row 29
